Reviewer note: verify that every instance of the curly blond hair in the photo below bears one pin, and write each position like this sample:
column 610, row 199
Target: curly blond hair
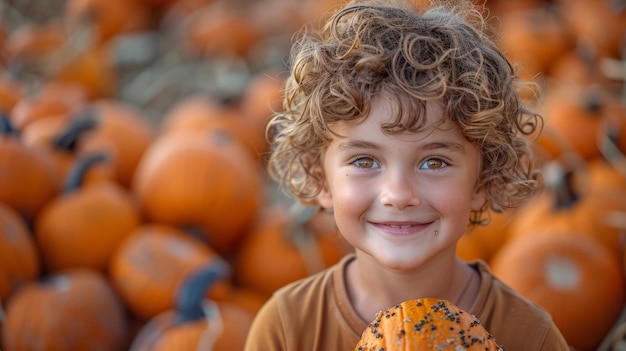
column 415, row 55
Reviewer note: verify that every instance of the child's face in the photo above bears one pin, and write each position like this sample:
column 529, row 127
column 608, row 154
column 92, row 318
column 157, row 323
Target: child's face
column 401, row 198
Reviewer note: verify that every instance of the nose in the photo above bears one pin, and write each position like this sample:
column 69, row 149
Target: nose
column 399, row 189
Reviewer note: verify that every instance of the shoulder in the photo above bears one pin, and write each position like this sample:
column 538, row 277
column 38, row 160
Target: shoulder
column 310, row 288
column 301, row 305
column 511, row 318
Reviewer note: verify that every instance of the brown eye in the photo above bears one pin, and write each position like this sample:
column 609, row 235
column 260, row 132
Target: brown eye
column 433, row 163
column 365, row 162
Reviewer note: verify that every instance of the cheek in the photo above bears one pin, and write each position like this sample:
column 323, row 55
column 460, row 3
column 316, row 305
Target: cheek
column 350, row 197
column 449, row 201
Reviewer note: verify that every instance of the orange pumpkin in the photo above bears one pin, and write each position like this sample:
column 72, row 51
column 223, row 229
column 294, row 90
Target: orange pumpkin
column 579, row 66
column 261, row 98
column 481, row 242
column 59, row 139
column 426, row 324
column 248, row 298
column 150, row 264
column 574, row 277
column 600, row 24
column 202, row 181
column 51, row 51
column 28, row 179
column 197, row 323
column 52, row 99
column 574, row 117
column 220, row 29
column 72, row 310
column 283, row 247
column 168, row 11
column 83, row 225
column 534, row 38
column 19, row 258
column 123, row 130
column 11, row 90
column 202, row 113
column 31, row 41
column 574, row 203
column 107, row 18
column 93, row 69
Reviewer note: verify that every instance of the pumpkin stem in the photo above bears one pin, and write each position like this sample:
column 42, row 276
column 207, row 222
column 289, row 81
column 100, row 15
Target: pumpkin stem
column 189, row 302
column 68, row 140
column 81, row 165
column 5, row 125
column 593, row 100
column 561, row 182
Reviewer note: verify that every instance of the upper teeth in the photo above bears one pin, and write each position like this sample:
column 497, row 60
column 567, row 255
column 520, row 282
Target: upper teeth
column 400, row 226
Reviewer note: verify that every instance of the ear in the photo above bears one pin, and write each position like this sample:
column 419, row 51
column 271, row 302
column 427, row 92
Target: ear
column 478, row 199
column 325, row 198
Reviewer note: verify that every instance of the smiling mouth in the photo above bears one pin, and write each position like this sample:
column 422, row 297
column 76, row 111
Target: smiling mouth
column 401, row 228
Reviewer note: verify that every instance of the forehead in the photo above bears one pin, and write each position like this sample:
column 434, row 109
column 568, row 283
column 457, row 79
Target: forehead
column 394, row 116
column 389, row 109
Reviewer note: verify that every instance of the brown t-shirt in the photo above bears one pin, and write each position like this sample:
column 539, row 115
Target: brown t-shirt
column 315, row 314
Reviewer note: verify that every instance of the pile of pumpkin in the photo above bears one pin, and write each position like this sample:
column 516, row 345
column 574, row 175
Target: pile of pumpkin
column 149, row 223
column 565, row 248
column 124, row 227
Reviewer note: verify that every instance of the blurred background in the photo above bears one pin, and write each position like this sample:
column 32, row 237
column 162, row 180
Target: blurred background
column 136, row 212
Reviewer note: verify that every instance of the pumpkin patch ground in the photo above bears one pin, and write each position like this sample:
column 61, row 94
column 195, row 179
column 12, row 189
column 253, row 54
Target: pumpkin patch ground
column 133, row 149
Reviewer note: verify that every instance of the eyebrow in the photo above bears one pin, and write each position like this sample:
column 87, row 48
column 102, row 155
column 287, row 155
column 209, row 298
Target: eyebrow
column 357, row 144
column 362, row 144
column 452, row 146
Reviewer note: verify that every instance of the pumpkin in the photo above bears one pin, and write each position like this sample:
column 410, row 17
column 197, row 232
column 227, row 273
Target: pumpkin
column 248, row 298
column 83, row 225
column 197, row 323
column 173, row 11
column 575, row 203
column 284, row 246
column 59, row 139
column 52, row 99
column 579, row 66
column 481, row 242
column 261, row 98
column 589, row 21
column 534, row 38
column 203, row 181
column 75, row 309
column 425, row 324
column 51, row 51
column 148, row 266
column 31, row 179
column 203, row 113
column 92, row 68
column 107, row 19
column 574, row 117
column 123, row 130
column 19, row 258
column 574, row 277
column 31, row 41
column 12, row 89
column 220, row 29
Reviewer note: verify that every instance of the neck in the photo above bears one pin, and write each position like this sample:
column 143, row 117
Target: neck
column 381, row 288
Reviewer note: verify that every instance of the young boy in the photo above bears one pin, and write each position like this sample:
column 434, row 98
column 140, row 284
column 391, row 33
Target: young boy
column 406, row 124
